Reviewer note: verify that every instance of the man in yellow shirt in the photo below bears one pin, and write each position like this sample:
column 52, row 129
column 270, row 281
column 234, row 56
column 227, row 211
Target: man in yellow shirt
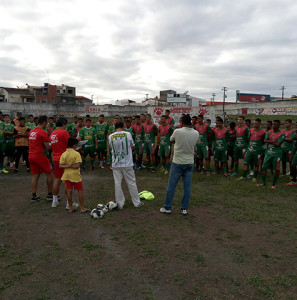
column 70, row 160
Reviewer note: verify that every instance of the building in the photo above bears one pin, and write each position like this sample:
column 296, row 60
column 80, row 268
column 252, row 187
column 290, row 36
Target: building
column 163, row 94
column 155, row 102
column 84, row 100
column 125, row 102
column 16, row 95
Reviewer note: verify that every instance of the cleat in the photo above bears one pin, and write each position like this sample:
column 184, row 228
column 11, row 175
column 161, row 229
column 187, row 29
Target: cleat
column 288, row 174
column 163, row 210
column 214, row 173
column 35, row 198
column 254, row 180
column 207, row 173
column 226, row 174
column 201, row 173
column 3, row 171
column 49, row 197
column 252, row 173
column 166, row 172
column 28, row 170
column 260, row 184
column 184, row 211
column 235, row 174
column 291, row 184
column 110, row 168
column 140, row 204
column 92, row 168
column 153, row 170
column 273, row 186
column 55, row 204
column 240, row 178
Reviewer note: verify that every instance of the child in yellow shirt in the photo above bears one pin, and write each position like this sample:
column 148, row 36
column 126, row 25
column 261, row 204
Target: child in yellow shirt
column 70, row 160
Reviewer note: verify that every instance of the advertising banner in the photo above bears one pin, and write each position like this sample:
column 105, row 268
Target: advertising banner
column 252, row 98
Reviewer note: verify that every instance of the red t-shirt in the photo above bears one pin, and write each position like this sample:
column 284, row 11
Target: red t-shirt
column 37, row 137
column 59, row 141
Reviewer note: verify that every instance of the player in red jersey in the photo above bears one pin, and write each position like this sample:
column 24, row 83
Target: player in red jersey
column 39, row 163
column 59, row 141
column 79, row 126
column 169, row 120
column 231, row 144
column 138, row 140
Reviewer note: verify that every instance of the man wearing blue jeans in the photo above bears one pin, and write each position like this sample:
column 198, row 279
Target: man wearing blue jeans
column 185, row 139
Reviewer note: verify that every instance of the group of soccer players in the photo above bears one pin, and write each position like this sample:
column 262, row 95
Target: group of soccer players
column 259, row 149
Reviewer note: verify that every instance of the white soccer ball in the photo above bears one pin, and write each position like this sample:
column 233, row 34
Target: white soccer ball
column 102, row 207
column 111, row 205
column 97, row 213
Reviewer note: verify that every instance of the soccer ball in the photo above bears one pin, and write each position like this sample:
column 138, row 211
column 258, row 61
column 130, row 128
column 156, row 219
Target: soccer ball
column 97, row 213
column 102, row 207
column 111, row 205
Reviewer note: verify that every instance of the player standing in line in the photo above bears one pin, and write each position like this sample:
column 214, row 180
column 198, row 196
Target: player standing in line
column 9, row 140
column 241, row 142
column 165, row 131
column 169, row 120
column 59, row 141
column 202, row 144
column 254, row 151
column 231, row 144
column 179, row 125
column 194, row 121
column 71, row 127
column 31, row 123
column 79, row 126
column 16, row 121
column 51, row 126
column 150, row 132
column 139, row 140
column 88, row 133
column 36, row 121
column 21, row 136
column 295, row 141
column 274, row 138
column 221, row 137
column 142, row 118
column 210, row 141
column 287, row 146
column 2, row 148
column 39, row 163
column 101, row 135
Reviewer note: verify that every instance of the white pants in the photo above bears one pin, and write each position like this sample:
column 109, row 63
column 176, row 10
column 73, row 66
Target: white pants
column 129, row 175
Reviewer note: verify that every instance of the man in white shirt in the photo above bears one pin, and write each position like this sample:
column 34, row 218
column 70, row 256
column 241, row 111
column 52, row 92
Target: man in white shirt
column 121, row 144
column 185, row 140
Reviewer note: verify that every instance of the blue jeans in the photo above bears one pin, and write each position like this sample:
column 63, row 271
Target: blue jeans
column 177, row 171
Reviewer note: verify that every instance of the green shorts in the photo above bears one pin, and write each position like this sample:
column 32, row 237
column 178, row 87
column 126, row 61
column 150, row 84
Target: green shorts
column 91, row 151
column 252, row 158
column 271, row 162
column 102, row 147
column 287, row 156
column 149, row 148
column 138, row 148
column 220, row 155
column 9, row 148
column 202, row 152
column 164, row 150
column 239, row 153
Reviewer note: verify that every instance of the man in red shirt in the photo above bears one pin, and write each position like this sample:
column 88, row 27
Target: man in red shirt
column 59, row 141
column 39, row 163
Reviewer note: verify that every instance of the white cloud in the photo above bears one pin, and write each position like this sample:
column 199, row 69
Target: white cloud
column 124, row 49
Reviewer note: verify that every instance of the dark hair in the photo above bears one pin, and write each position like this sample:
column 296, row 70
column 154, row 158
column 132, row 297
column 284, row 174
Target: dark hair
column 194, row 117
column 88, row 116
column 6, row 115
column 248, row 120
column 270, row 122
column 209, row 120
column 137, row 117
column 35, row 118
column 167, row 110
column 42, row 119
column 128, row 121
column 71, row 142
column 80, row 119
column 220, row 120
column 148, row 115
column 116, row 115
column 232, row 125
column 289, row 121
column 61, row 121
column 277, row 121
column 119, row 125
column 75, row 117
column 241, row 117
column 30, row 116
column 163, row 116
column 88, row 120
column 200, row 116
column 102, row 116
column 21, row 118
column 51, row 118
column 142, row 114
column 258, row 120
column 186, row 120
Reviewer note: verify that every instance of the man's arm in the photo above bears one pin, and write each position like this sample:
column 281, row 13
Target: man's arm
column 47, row 145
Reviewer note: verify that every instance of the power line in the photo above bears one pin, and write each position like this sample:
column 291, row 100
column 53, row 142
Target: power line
column 225, row 89
column 283, row 91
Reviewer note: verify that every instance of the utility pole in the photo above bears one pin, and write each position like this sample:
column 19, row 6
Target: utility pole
column 283, row 91
column 213, row 98
column 225, row 89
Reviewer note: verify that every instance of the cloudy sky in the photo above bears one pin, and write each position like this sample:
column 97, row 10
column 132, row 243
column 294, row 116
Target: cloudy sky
column 119, row 49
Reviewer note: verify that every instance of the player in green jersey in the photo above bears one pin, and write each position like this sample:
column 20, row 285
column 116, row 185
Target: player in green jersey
column 165, row 130
column 88, row 133
column 9, row 140
column 273, row 138
column 71, row 127
column 31, row 123
column 101, row 135
column 2, row 148
column 221, row 137
column 254, row 151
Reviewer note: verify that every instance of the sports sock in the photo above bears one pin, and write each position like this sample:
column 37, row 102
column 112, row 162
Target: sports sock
column 225, row 169
column 92, row 163
column 201, row 167
column 55, row 198
column 83, row 163
column 244, row 173
column 256, row 174
column 208, row 169
column 264, row 179
column 236, row 168
column 34, row 194
column 148, row 164
column 50, row 194
column 164, row 164
column 1, row 166
column 275, row 179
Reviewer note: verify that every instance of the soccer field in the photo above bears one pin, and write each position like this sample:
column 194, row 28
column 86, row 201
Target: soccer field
column 238, row 241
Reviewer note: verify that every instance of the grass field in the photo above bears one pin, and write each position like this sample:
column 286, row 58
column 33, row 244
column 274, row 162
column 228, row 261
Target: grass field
column 238, row 241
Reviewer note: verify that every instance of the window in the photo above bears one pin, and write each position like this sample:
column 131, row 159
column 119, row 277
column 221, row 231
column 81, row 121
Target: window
column 58, row 91
column 70, row 91
column 43, row 101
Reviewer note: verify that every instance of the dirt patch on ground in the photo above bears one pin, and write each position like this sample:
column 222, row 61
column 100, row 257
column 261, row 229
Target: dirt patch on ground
column 138, row 253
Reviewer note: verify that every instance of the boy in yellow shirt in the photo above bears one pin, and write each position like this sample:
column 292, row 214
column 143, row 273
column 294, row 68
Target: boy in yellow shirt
column 70, row 160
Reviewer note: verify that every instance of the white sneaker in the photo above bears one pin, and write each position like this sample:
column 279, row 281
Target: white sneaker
column 184, row 211
column 165, row 211
column 252, row 173
column 55, row 204
column 101, row 165
column 75, row 205
column 140, row 204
